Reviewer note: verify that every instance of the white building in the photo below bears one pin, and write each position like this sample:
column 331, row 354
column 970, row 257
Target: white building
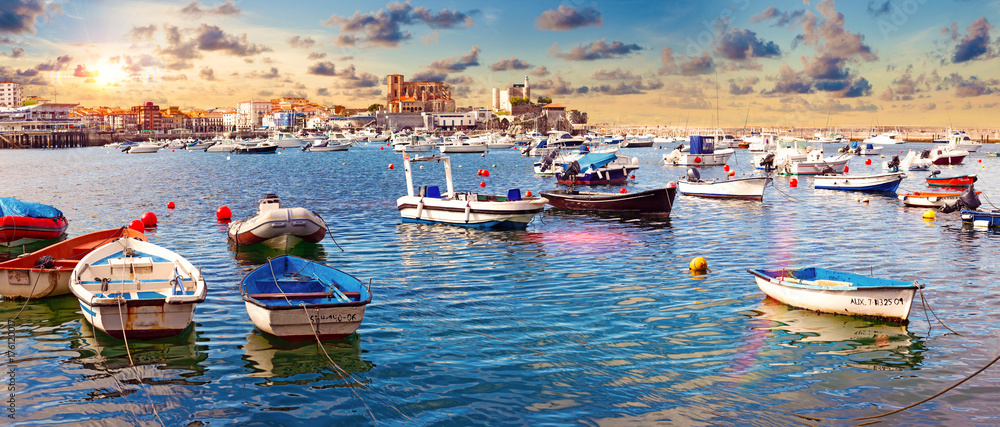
column 10, row 94
column 501, row 98
column 250, row 114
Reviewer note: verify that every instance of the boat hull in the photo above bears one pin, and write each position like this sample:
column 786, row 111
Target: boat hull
column 262, row 149
column 333, row 147
column 471, row 212
column 718, row 158
column 928, row 200
column 283, row 223
column 890, row 302
column 981, row 218
column 816, row 167
column 21, row 230
column 464, row 148
column 613, row 175
column 952, row 181
column 742, row 188
column 659, row 200
column 882, row 183
column 142, row 319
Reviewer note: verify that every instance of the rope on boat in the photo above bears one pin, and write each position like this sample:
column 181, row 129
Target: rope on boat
column 927, row 307
column 988, row 200
column 330, row 233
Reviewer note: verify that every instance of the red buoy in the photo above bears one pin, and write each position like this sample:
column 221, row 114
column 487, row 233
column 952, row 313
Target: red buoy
column 381, row 148
column 137, row 226
column 223, row 213
column 624, row 191
column 868, row 161
column 980, row 160
column 148, row 219
column 482, row 184
column 697, row 159
column 528, row 193
column 170, row 205
column 846, row 168
column 726, row 168
column 793, row 183
column 392, row 166
column 632, row 177
column 486, row 172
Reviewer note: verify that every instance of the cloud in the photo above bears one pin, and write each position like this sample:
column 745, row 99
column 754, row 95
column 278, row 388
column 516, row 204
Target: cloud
column 461, row 80
column 567, row 18
column 428, row 76
column 540, row 71
column 790, row 82
column 322, row 92
column 510, row 64
column 742, row 86
column 322, row 69
column 174, row 78
column 975, row 44
column 741, row 45
column 141, row 33
column 780, row 18
column 879, row 9
column 383, row 28
column 845, row 88
column 630, row 86
column 616, row 74
column 15, row 52
column 195, row 8
column 351, row 78
column 136, row 64
column 301, row 42
column 81, row 71
column 267, row 75
column 457, row 63
column 599, row 49
column 55, row 65
column 19, row 16
column 826, row 67
column 212, row 38
column 316, row 55
column 972, row 86
column 207, row 74
column 556, row 86
column 684, row 65
column 928, row 107
column 828, row 35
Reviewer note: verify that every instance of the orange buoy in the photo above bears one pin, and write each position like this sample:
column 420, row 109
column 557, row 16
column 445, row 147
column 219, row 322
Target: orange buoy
column 170, row 205
column 726, row 168
column 137, row 226
column 148, row 219
column 223, row 213
column 624, row 191
column 732, row 173
column 482, row 184
column 528, row 193
column 793, row 183
column 868, row 161
column 392, row 166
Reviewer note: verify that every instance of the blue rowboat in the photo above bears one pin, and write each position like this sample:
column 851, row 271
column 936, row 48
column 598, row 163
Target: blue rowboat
column 880, row 183
column 299, row 299
column 839, row 292
column 981, row 218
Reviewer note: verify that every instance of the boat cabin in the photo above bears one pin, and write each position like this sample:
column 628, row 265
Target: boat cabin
column 701, row 144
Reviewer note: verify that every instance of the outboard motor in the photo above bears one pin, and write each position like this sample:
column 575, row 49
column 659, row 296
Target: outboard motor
column 827, row 170
column 967, row 200
column 571, row 170
column 926, row 154
column 767, row 162
column 935, row 172
column 693, row 175
column 894, row 164
column 547, row 161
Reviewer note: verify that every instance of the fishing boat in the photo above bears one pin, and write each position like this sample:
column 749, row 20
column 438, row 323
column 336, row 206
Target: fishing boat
column 135, row 289
column 957, row 181
column 298, row 299
column 879, row 183
column 702, row 153
column 839, row 292
column 277, row 226
column 465, row 209
column 22, row 223
column 815, row 164
column 598, row 169
column 890, row 137
column 925, row 199
column 978, row 218
column 657, row 200
column 751, row 188
column 46, row 272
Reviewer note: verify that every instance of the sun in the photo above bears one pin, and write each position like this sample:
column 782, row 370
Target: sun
column 110, row 73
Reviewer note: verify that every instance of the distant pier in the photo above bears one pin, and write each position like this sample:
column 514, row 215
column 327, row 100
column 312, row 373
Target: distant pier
column 44, row 139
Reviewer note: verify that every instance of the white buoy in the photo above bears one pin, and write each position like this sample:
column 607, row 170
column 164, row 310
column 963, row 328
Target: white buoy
column 227, row 157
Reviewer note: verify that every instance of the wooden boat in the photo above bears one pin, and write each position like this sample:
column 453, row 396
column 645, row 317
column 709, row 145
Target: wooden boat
column 879, row 183
column 46, row 272
column 598, row 169
column 135, row 289
column 25, row 222
column 958, row 181
column 838, row 292
column 925, row 199
column 751, row 188
column 291, row 297
column 702, row 153
column 980, row 218
column 463, row 209
column 278, row 226
column 658, row 200
column 815, row 164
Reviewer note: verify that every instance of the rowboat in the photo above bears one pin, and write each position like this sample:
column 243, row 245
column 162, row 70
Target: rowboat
column 838, row 292
column 465, row 209
column 658, row 200
column 981, row 218
column 135, row 289
column 924, row 199
column 299, row 299
column 46, row 272
column 879, row 183
column 25, row 222
column 751, row 188
column 958, row 181
column 278, row 226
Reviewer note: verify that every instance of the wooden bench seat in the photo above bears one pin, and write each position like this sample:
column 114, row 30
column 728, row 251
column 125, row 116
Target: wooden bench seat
column 305, row 295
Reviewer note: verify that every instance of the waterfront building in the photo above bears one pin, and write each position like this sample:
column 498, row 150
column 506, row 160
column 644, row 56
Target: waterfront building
column 150, row 120
column 250, row 114
column 417, row 96
column 10, row 94
column 501, row 98
column 38, row 117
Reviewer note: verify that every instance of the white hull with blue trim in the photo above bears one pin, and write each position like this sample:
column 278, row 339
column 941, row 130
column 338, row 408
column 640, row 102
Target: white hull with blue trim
column 880, row 183
column 134, row 289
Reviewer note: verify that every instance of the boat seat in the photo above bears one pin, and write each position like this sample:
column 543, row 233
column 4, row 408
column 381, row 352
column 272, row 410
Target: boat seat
column 514, row 194
column 305, row 295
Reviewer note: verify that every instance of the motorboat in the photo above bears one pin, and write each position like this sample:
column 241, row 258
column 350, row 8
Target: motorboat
column 877, row 183
column 285, row 140
column 944, row 155
column 839, row 292
column 277, row 226
column 961, row 141
column 428, row 205
column 143, row 147
column 413, row 143
column 657, row 200
column 884, row 138
column 222, row 146
column 22, row 223
column 130, row 288
column 198, row 145
column 557, row 140
column 956, row 181
column 702, row 152
column 46, row 272
column 299, row 299
column 598, row 169
column 750, row 188
column 928, row 199
column 258, row 146
column 911, row 162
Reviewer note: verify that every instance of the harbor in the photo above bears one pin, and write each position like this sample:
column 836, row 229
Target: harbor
column 578, row 318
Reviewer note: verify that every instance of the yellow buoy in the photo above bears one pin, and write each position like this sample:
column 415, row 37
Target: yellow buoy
column 929, row 214
column 698, row 265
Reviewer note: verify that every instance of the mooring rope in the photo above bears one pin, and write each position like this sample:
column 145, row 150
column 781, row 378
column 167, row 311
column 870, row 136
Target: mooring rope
column 927, row 306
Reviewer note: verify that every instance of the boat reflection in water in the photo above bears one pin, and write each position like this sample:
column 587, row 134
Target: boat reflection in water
column 272, row 357
column 102, row 352
column 868, row 343
column 256, row 255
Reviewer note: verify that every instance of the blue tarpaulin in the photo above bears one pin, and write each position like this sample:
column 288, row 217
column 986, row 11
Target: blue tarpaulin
column 10, row 206
column 596, row 160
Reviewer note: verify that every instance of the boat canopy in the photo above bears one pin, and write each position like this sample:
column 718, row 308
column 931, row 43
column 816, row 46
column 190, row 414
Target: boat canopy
column 596, row 160
column 10, row 206
column 701, row 144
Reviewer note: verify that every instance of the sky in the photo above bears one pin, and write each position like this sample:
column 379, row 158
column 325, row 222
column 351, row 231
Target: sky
column 670, row 63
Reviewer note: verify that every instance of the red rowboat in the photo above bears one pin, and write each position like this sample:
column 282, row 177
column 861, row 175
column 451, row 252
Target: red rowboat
column 659, row 200
column 960, row 181
column 32, row 276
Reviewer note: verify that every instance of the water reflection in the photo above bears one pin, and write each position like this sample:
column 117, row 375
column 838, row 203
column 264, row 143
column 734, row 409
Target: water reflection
column 273, row 358
column 11, row 252
column 104, row 353
column 41, row 315
column 870, row 344
column 254, row 255
column 648, row 221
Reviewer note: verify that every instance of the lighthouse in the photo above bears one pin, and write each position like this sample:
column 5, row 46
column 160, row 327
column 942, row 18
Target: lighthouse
column 527, row 90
